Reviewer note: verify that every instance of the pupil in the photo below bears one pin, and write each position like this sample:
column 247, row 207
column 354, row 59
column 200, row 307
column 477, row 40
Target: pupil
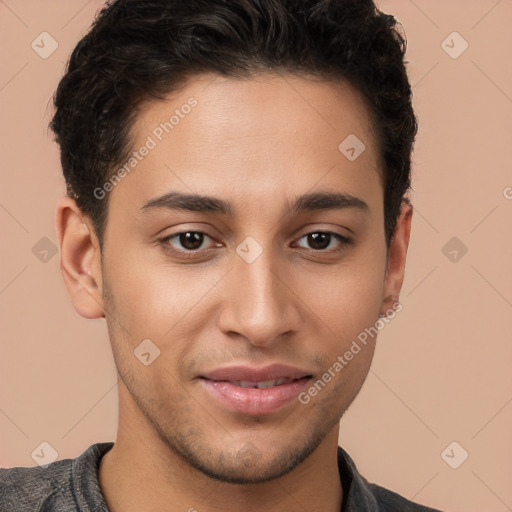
column 191, row 240
column 319, row 240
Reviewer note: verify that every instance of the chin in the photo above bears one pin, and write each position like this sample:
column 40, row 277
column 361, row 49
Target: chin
column 248, row 464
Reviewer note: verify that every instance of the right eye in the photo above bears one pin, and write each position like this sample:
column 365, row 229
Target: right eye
column 185, row 241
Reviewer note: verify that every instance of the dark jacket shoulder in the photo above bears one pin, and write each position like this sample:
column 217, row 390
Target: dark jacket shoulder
column 35, row 489
column 361, row 496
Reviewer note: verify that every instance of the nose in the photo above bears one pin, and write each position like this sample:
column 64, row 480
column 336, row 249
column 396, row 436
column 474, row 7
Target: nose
column 259, row 303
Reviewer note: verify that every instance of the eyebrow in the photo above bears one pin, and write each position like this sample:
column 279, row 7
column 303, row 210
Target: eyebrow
column 199, row 203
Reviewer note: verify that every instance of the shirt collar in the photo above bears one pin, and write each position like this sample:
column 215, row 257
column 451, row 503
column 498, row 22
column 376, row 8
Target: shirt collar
column 357, row 495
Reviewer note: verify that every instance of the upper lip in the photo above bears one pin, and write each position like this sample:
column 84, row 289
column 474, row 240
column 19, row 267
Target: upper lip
column 255, row 374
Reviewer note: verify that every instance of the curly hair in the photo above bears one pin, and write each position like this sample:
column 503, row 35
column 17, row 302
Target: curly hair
column 141, row 49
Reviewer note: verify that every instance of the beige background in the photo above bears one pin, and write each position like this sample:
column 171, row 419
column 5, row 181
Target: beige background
column 442, row 368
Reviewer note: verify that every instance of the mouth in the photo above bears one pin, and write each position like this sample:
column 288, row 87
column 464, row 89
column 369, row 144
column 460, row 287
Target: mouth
column 255, row 391
column 265, row 384
column 274, row 374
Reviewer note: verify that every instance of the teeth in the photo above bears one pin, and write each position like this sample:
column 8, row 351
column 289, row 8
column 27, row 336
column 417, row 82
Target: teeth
column 267, row 384
column 261, row 385
column 246, row 384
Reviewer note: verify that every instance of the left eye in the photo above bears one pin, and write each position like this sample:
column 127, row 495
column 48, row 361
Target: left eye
column 322, row 240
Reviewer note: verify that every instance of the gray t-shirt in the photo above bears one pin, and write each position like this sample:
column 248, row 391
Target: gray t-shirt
column 71, row 485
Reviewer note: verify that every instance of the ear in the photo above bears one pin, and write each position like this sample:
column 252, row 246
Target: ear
column 80, row 262
column 397, row 253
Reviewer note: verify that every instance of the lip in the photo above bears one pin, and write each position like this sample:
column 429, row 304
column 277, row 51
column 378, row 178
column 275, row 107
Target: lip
column 254, row 374
column 255, row 401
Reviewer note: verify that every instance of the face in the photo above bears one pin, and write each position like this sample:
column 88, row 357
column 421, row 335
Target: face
column 244, row 238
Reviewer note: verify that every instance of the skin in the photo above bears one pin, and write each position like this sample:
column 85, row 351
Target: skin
column 258, row 144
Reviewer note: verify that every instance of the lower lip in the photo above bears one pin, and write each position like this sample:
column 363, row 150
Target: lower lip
column 255, row 400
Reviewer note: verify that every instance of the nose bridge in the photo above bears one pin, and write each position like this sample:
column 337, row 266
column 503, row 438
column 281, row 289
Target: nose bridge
column 260, row 306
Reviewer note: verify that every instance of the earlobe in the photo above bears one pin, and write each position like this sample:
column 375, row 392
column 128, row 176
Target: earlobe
column 80, row 262
column 397, row 253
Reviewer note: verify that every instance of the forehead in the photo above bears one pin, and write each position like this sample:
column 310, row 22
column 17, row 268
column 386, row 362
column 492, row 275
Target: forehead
column 260, row 104
column 253, row 135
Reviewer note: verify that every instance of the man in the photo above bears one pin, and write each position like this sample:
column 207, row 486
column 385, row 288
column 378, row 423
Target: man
column 237, row 175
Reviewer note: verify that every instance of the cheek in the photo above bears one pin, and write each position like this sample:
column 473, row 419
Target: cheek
column 347, row 298
column 155, row 301
column 155, row 295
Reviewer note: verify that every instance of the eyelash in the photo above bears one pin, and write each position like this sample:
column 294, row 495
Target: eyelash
column 167, row 247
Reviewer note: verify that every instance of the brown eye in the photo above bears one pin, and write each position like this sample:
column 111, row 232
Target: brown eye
column 322, row 240
column 186, row 240
column 191, row 240
column 319, row 240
